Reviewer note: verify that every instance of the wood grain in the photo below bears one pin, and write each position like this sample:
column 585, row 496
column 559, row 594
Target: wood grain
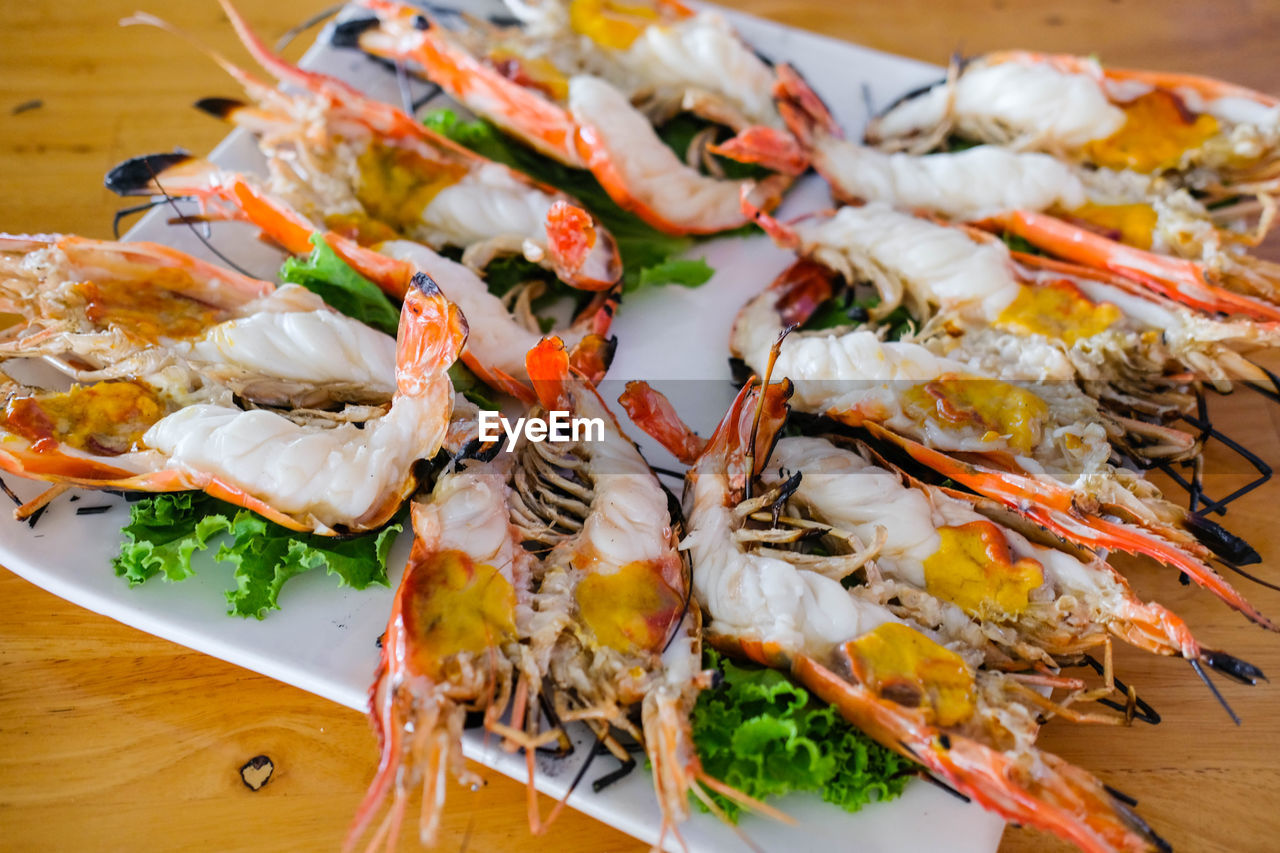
column 112, row 739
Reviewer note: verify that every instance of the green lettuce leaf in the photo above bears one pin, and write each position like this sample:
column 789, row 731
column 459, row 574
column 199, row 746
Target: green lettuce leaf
column 846, row 309
column 764, row 735
column 344, row 289
column 644, row 250
column 682, row 271
column 1018, row 243
column 469, row 385
column 678, row 134
column 328, row 275
column 165, row 531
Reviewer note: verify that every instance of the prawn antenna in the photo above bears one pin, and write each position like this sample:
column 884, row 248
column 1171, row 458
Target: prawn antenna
column 938, row 783
column 425, row 98
column 130, row 211
column 684, row 611
column 1213, row 688
column 1259, row 581
column 402, row 83
column 774, row 351
column 471, row 825
column 1127, row 799
column 4, row 487
column 1135, row 707
column 597, row 748
column 867, row 103
column 298, row 29
column 185, row 220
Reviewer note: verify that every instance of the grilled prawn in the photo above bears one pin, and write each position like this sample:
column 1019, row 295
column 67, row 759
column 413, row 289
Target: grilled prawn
column 548, row 571
column 1042, row 449
column 101, row 311
column 931, row 552
column 453, row 633
column 1082, row 322
column 500, row 333
column 669, row 59
column 371, row 172
column 1133, row 224
column 936, row 542
column 1221, row 139
column 171, row 430
column 549, row 96
column 611, row 628
column 893, row 679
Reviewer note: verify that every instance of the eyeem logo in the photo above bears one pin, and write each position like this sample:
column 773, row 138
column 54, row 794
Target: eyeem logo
column 557, row 427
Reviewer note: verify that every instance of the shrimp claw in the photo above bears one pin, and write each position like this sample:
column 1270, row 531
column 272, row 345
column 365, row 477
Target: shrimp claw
column 765, row 146
column 1231, row 666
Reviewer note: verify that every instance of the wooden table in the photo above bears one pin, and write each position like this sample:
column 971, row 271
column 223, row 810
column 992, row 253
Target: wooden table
column 113, row 739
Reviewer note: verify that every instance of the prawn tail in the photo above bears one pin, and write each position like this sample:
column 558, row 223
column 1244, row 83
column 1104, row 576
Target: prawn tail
column 765, row 146
column 803, row 111
column 549, row 369
column 592, row 356
column 801, row 289
column 650, row 410
column 583, row 254
column 753, row 424
column 431, row 336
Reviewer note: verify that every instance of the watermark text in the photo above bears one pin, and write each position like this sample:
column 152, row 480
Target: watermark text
column 557, row 427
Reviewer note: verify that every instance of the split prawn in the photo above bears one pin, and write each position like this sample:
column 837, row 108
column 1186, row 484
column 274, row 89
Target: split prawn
column 450, row 641
column 580, row 119
column 172, row 431
column 1088, row 323
column 668, row 58
column 938, row 545
column 98, row 310
column 1129, row 223
column 885, row 675
column 371, row 172
column 1044, row 448
column 499, row 336
column 611, row 627
column 1218, row 138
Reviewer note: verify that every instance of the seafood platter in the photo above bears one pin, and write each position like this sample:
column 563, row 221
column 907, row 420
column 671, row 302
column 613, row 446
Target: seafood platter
column 693, row 410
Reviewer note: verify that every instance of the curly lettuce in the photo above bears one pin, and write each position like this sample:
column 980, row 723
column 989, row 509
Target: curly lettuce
column 766, row 736
column 344, row 289
column 166, row 531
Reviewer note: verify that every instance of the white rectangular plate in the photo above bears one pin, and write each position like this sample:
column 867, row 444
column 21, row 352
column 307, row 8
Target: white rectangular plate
column 323, row 638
